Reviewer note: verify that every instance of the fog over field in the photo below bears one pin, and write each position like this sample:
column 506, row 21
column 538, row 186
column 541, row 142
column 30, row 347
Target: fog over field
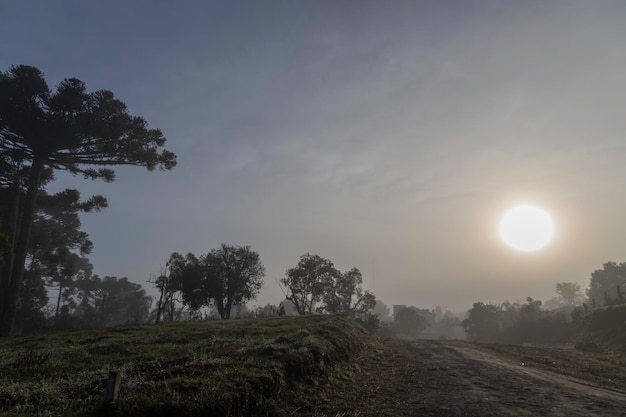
column 387, row 136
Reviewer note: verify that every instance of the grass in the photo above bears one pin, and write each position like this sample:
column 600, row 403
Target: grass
column 222, row 368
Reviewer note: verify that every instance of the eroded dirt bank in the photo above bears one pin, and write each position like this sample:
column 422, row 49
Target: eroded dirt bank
column 438, row 378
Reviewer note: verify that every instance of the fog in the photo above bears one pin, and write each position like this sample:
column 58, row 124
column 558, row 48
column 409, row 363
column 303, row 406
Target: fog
column 390, row 137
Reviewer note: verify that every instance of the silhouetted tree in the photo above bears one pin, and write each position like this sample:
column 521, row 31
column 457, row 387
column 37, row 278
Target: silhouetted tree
column 569, row 293
column 71, row 269
column 483, row 322
column 168, row 287
column 531, row 310
column 32, row 303
column 226, row 277
column 344, row 294
column 57, row 245
column 70, row 130
column 409, row 321
column 308, row 282
column 604, row 281
column 5, row 247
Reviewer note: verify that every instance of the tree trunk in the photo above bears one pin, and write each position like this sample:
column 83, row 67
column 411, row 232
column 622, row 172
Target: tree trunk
column 171, row 308
column 103, row 312
column 160, row 306
column 227, row 309
column 6, row 268
column 220, row 308
column 296, row 304
column 9, row 306
column 56, row 313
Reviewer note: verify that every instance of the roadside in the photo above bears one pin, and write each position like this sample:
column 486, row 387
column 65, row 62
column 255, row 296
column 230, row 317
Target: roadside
column 451, row 378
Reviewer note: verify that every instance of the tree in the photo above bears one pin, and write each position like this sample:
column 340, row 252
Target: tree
column 71, row 270
column 308, row 282
column 32, row 303
column 531, row 311
column 409, row 321
column 168, row 287
column 5, row 247
column 483, row 322
column 68, row 129
column 344, row 294
column 52, row 258
column 606, row 283
column 226, row 277
column 111, row 301
column 569, row 293
column 289, row 307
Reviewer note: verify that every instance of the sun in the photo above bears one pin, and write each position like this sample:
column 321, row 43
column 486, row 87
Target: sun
column 526, row 228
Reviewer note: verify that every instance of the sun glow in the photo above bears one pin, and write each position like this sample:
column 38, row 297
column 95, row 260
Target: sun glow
column 526, row 228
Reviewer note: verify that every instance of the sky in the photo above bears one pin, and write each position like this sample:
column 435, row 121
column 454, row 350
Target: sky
column 387, row 136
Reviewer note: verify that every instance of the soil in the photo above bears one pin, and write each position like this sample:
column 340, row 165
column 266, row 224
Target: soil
column 457, row 378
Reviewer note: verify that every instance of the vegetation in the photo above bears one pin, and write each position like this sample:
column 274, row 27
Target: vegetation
column 68, row 129
column 224, row 277
column 316, row 285
column 236, row 367
column 410, row 321
column 519, row 323
column 345, row 294
column 607, row 284
column 167, row 286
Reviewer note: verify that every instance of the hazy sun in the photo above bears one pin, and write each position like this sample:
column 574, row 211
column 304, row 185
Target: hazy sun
column 526, row 228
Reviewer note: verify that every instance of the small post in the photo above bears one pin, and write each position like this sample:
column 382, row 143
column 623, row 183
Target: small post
column 113, row 387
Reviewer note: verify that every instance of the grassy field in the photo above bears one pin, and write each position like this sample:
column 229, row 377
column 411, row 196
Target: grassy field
column 221, row 368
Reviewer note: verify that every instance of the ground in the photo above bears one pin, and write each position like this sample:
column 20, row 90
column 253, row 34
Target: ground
column 312, row 366
column 454, row 378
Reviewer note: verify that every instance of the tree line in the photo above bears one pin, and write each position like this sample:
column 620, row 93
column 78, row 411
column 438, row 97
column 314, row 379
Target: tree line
column 44, row 250
column 554, row 321
column 232, row 275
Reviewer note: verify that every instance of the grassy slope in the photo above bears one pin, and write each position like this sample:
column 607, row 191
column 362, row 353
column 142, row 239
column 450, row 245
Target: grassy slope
column 233, row 367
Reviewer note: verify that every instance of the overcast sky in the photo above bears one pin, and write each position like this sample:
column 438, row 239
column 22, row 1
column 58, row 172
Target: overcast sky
column 390, row 136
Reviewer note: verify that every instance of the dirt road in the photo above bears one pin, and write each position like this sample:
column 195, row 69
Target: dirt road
column 468, row 380
column 450, row 379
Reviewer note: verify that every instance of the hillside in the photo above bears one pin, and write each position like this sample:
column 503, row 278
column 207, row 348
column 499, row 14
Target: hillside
column 311, row 366
column 221, row 368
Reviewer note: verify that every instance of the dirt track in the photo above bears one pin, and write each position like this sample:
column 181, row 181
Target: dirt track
column 437, row 379
column 470, row 381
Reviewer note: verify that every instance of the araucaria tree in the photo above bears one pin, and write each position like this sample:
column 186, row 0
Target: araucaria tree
column 68, row 129
column 224, row 277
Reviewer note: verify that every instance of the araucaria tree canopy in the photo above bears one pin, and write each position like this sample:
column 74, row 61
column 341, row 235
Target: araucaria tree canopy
column 68, row 129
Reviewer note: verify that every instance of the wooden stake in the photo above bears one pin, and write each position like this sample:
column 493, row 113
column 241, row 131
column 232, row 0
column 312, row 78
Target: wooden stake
column 113, row 387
